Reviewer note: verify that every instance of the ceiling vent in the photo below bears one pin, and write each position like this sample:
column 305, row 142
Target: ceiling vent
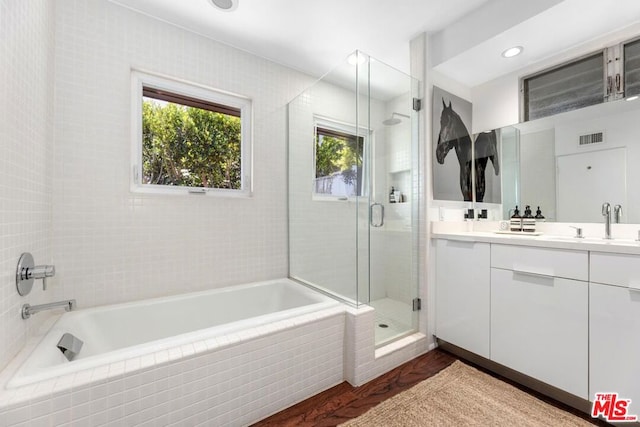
column 591, row 138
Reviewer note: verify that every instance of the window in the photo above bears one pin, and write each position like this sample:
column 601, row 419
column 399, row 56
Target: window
column 604, row 76
column 338, row 160
column 568, row 87
column 632, row 68
column 189, row 139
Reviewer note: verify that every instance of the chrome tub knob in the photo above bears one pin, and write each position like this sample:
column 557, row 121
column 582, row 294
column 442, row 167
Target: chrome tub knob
column 27, row 272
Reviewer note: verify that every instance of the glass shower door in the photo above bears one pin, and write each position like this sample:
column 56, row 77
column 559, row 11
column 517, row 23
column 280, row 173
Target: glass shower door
column 393, row 195
column 353, row 190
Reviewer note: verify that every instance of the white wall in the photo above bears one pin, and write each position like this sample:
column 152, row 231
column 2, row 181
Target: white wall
column 111, row 245
column 496, row 103
column 510, row 169
column 621, row 131
column 538, row 172
column 26, row 143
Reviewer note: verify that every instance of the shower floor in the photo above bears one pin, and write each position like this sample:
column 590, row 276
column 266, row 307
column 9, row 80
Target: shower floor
column 396, row 315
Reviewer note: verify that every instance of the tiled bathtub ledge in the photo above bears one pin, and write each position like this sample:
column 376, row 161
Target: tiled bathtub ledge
column 123, row 389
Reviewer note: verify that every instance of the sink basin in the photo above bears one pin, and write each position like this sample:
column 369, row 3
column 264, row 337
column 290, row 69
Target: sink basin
column 574, row 239
column 596, row 240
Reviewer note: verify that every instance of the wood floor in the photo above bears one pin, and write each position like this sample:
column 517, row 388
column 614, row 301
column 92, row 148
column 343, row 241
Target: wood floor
column 343, row 402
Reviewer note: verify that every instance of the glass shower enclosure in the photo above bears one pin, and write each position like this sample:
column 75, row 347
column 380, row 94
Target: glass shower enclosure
column 353, row 191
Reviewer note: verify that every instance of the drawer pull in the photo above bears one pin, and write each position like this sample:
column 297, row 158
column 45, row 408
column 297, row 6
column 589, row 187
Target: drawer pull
column 534, row 274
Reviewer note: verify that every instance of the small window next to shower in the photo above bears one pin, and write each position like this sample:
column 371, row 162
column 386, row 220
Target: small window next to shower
column 338, row 160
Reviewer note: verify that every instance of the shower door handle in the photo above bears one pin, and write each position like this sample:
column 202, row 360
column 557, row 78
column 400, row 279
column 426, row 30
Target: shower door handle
column 376, row 207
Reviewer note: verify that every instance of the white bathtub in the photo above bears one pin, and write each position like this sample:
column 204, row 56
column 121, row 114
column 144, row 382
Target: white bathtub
column 127, row 331
column 227, row 357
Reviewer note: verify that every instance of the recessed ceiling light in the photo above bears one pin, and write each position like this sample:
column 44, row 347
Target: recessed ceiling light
column 226, row 5
column 512, row 51
column 633, row 98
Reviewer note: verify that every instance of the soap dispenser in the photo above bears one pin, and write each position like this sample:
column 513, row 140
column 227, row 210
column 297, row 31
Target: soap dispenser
column 539, row 217
column 392, row 195
column 528, row 221
column 515, row 223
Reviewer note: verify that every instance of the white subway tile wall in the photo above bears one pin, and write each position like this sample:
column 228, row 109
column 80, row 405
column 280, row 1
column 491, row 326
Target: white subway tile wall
column 26, row 147
column 111, row 245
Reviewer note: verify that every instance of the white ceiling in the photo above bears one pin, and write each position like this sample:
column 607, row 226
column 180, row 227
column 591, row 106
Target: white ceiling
column 314, row 36
column 560, row 28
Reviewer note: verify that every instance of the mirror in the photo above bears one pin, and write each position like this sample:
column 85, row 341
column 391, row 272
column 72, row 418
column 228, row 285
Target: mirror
column 571, row 163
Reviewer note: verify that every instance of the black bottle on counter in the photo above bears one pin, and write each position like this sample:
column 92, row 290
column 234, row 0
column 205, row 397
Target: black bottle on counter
column 528, row 221
column 515, row 223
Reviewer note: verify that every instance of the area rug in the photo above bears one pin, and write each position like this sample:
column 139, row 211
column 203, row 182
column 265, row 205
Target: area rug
column 460, row 395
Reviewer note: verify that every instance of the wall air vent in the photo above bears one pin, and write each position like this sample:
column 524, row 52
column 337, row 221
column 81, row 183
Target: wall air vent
column 591, row 138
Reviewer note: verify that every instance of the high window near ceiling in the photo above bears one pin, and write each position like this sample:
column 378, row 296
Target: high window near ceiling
column 607, row 75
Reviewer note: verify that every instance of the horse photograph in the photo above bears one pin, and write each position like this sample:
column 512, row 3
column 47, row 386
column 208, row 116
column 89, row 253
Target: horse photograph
column 453, row 177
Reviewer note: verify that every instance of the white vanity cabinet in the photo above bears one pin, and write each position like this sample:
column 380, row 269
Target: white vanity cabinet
column 539, row 314
column 614, row 326
column 566, row 316
column 462, row 294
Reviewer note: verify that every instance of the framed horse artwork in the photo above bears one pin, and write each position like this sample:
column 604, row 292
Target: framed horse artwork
column 462, row 177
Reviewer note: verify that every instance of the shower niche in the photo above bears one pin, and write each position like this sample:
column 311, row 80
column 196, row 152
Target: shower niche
column 353, row 138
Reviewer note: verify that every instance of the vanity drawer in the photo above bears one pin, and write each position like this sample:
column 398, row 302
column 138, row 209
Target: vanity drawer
column 615, row 269
column 541, row 261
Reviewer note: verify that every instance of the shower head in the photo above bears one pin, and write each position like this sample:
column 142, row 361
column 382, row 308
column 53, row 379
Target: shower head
column 393, row 120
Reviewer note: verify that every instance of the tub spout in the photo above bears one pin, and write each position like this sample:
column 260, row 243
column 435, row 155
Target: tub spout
column 70, row 346
column 28, row 310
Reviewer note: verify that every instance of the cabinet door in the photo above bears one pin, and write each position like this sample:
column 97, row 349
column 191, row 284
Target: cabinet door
column 462, row 294
column 615, row 269
column 542, row 261
column 539, row 326
column 614, row 346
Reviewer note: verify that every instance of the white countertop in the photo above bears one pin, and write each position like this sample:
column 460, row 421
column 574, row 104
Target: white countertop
column 544, row 240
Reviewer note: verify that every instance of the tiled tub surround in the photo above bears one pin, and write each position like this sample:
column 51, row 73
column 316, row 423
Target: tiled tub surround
column 231, row 374
column 122, row 240
column 66, row 157
column 26, row 172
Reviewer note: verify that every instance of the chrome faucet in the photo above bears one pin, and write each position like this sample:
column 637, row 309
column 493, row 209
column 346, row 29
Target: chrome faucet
column 606, row 212
column 578, row 232
column 617, row 213
column 28, row 310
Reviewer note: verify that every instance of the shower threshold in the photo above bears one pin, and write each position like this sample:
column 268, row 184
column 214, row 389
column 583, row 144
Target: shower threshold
column 393, row 320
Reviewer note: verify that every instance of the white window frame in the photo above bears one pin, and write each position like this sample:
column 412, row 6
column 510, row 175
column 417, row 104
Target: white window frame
column 339, row 126
column 141, row 79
